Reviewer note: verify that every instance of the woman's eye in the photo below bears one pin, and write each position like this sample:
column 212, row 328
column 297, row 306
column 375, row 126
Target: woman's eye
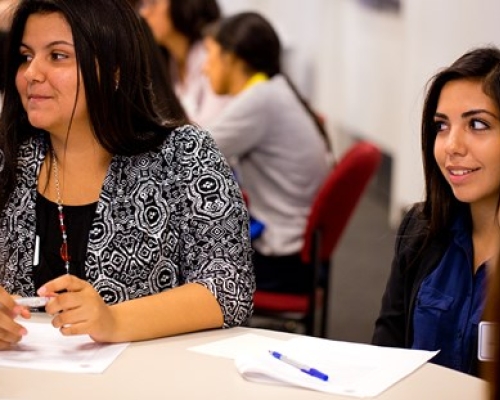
column 478, row 125
column 439, row 126
column 59, row 56
column 25, row 58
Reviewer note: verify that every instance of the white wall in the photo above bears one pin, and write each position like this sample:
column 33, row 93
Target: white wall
column 345, row 58
column 298, row 29
column 366, row 70
column 436, row 33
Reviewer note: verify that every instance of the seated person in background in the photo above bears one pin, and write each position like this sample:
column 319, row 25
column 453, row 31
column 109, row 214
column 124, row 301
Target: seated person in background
column 279, row 145
column 165, row 98
column 177, row 26
column 141, row 227
column 6, row 8
column 435, row 294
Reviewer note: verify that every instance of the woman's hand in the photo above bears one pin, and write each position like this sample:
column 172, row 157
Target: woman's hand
column 10, row 331
column 78, row 310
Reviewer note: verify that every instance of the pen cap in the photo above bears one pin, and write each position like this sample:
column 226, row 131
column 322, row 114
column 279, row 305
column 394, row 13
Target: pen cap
column 317, row 374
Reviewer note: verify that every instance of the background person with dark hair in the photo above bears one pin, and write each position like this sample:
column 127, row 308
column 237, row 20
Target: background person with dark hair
column 278, row 144
column 165, row 98
column 177, row 26
column 6, row 9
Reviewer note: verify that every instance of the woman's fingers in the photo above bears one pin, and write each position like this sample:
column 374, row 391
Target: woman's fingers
column 10, row 331
column 69, row 283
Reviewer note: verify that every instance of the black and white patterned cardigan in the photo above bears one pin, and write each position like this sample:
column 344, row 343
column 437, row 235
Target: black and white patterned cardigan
column 164, row 218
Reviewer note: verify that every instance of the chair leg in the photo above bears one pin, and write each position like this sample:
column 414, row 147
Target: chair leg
column 309, row 325
column 324, row 317
column 326, row 298
column 313, row 297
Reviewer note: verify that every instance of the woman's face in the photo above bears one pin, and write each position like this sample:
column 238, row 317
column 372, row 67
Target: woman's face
column 467, row 146
column 217, row 67
column 47, row 77
column 157, row 15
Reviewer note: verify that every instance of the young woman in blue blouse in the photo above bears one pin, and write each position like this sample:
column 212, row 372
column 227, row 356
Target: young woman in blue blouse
column 435, row 295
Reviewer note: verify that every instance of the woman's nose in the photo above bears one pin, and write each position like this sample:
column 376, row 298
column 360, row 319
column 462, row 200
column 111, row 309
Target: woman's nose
column 34, row 71
column 455, row 143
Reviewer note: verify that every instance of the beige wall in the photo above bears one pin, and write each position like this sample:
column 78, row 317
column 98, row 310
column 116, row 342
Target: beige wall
column 366, row 70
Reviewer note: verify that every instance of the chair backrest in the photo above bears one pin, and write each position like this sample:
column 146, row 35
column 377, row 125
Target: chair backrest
column 338, row 196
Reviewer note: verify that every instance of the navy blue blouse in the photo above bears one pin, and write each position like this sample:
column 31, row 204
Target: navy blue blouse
column 450, row 304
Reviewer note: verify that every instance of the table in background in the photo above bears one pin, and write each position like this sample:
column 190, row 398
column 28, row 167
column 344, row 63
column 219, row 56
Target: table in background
column 165, row 369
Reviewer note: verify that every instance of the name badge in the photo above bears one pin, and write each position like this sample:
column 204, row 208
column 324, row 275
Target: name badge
column 486, row 349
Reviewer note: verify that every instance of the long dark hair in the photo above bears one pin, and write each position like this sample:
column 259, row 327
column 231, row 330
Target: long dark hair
column 166, row 100
column 252, row 38
column 109, row 42
column 3, row 59
column 191, row 17
column 440, row 204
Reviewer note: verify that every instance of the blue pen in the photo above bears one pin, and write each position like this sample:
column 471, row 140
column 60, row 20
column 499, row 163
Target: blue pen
column 304, row 368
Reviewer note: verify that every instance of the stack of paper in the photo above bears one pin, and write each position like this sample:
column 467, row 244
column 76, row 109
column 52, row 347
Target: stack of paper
column 353, row 369
column 45, row 348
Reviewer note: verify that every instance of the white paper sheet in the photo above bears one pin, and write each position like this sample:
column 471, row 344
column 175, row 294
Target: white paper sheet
column 244, row 345
column 45, row 348
column 354, row 369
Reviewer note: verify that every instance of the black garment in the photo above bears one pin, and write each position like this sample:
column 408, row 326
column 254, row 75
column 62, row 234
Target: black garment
column 78, row 220
column 286, row 274
column 165, row 217
column 411, row 264
column 414, row 260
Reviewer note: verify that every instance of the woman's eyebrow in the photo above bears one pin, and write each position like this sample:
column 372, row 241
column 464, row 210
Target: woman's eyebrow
column 470, row 113
column 440, row 115
column 51, row 44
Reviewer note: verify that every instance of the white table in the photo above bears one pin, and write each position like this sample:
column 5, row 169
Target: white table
column 165, row 369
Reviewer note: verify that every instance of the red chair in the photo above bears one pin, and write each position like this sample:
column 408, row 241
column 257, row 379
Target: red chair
column 330, row 213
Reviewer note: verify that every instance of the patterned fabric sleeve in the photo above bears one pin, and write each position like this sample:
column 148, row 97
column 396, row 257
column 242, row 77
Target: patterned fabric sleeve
column 214, row 246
